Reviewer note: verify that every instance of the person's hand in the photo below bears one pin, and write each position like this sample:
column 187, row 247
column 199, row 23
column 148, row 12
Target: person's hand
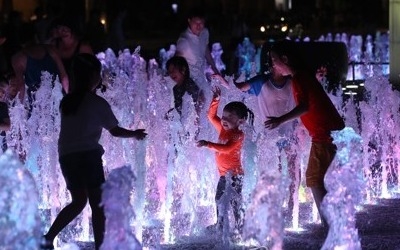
column 202, row 143
column 272, row 122
column 140, row 134
column 220, row 79
column 321, row 73
column 216, row 93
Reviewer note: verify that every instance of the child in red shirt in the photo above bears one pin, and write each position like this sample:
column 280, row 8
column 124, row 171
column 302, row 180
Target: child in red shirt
column 317, row 113
column 228, row 150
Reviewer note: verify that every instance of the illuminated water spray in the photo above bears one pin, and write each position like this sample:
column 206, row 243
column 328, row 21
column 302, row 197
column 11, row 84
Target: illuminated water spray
column 173, row 193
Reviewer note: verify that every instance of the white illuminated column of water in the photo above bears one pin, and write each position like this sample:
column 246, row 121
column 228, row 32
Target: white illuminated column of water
column 35, row 140
column 380, row 121
column 126, row 87
column 346, row 187
column 20, row 222
column 183, row 194
column 116, row 200
column 264, row 219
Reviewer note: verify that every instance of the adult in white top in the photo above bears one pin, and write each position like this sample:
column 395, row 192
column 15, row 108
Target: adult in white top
column 193, row 45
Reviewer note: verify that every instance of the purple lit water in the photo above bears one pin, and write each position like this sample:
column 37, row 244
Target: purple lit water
column 165, row 198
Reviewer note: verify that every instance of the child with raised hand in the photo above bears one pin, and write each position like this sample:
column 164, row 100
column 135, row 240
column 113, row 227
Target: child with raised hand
column 83, row 117
column 228, row 151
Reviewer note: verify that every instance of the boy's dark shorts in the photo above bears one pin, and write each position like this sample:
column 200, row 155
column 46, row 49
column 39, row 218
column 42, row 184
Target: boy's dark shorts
column 83, row 169
column 321, row 157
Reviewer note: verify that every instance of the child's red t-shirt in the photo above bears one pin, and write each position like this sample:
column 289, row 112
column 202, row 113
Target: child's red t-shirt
column 322, row 116
column 228, row 148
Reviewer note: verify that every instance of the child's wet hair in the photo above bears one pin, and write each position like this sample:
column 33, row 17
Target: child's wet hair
column 180, row 63
column 241, row 110
column 289, row 49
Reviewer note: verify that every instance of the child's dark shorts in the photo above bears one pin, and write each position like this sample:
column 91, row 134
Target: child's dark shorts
column 83, row 169
column 321, row 157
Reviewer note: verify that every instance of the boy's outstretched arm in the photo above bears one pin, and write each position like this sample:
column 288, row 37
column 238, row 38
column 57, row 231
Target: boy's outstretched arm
column 138, row 134
column 219, row 147
column 273, row 122
column 243, row 86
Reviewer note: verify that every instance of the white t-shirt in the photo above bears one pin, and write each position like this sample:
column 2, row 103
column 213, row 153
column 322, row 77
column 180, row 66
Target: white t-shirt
column 193, row 49
column 82, row 131
column 273, row 100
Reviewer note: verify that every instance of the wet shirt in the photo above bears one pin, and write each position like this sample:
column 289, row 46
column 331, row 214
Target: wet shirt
column 193, row 49
column 228, row 148
column 273, row 100
column 322, row 116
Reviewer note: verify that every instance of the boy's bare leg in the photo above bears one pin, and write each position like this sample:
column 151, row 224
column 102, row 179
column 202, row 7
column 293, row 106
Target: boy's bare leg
column 319, row 194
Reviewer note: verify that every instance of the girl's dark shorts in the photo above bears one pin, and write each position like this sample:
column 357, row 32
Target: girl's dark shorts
column 83, row 169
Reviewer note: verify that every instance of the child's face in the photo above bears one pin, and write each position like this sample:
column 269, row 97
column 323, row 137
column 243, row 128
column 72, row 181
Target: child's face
column 176, row 75
column 279, row 65
column 230, row 120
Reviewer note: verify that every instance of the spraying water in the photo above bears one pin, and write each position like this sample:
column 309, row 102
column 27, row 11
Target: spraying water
column 173, row 195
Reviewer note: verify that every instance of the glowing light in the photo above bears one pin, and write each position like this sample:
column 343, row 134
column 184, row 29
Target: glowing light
column 350, row 93
column 352, row 86
column 295, row 230
column 282, row 19
column 103, row 21
column 284, row 28
column 174, row 7
column 262, row 29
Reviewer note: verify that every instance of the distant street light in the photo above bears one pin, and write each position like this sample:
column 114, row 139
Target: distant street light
column 174, row 7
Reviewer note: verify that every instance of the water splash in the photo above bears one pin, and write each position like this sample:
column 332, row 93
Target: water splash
column 340, row 203
column 174, row 197
column 119, row 212
column 20, row 222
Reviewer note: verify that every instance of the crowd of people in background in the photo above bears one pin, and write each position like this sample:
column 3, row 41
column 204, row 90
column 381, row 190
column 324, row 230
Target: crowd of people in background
column 93, row 30
column 47, row 28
